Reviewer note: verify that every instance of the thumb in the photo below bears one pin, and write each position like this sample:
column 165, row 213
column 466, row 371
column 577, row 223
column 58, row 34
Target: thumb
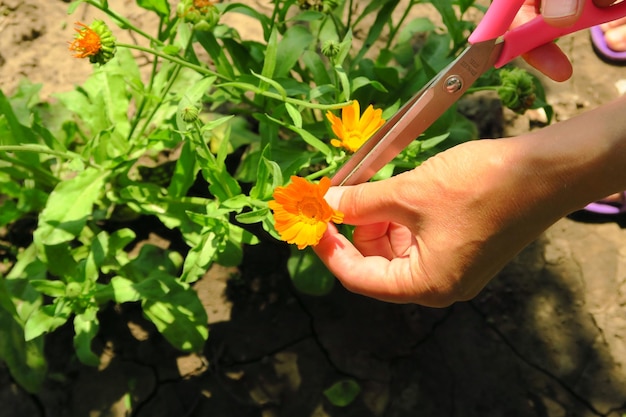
column 561, row 13
column 372, row 202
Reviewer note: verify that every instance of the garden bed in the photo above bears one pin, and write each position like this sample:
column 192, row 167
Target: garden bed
column 545, row 338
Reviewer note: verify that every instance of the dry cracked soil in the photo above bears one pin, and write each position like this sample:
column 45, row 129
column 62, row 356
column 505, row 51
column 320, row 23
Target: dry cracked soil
column 547, row 337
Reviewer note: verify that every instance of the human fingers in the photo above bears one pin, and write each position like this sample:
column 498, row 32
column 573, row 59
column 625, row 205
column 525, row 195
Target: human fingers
column 614, row 24
column 374, row 202
column 551, row 61
column 548, row 59
column 389, row 240
column 372, row 276
column 562, row 13
column 604, row 3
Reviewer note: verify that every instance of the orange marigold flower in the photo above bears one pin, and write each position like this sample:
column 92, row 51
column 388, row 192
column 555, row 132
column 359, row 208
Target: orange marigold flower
column 352, row 129
column 95, row 42
column 300, row 212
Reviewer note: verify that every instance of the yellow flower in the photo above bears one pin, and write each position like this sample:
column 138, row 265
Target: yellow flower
column 95, row 42
column 353, row 130
column 300, row 212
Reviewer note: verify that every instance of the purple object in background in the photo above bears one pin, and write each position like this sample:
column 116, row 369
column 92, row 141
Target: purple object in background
column 599, row 43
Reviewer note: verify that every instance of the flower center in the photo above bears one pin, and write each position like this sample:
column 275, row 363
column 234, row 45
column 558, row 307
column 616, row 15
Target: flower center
column 310, row 209
column 354, row 139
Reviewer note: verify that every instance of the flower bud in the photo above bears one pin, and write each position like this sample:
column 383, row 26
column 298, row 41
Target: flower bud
column 95, row 42
column 517, row 89
column 73, row 290
column 189, row 114
column 330, row 48
column 202, row 13
column 329, row 5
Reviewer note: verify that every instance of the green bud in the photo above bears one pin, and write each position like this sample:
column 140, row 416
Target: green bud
column 517, row 89
column 330, row 48
column 202, row 13
column 73, row 290
column 189, row 114
column 329, row 5
column 316, row 5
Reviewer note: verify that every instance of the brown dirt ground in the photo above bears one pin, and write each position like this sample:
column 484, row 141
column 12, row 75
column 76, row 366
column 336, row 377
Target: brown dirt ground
column 547, row 337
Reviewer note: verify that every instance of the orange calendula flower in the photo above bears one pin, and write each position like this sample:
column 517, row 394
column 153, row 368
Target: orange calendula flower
column 95, row 42
column 352, row 129
column 300, row 212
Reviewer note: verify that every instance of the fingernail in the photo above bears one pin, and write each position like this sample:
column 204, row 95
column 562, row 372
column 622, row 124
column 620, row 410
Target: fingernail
column 556, row 9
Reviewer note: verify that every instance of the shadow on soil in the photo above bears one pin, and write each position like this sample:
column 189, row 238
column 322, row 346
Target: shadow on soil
column 526, row 346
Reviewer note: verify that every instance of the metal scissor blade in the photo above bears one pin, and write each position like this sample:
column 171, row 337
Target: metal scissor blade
column 418, row 113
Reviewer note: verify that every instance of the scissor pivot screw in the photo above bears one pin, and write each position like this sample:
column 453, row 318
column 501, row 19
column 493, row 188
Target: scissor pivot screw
column 453, row 84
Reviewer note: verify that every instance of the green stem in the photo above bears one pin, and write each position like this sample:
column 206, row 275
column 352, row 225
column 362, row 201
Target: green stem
column 321, row 172
column 172, row 79
column 175, row 59
column 144, row 99
column 39, row 149
column 485, row 88
column 394, row 30
column 200, row 139
column 39, row 175
column 349, row 22
column 242, row 86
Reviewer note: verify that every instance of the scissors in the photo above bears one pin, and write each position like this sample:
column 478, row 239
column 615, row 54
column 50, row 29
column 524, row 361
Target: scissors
column 491, row 44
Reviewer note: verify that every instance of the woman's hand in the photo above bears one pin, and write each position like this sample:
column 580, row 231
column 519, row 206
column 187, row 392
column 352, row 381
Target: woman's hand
column 439, row 233
column 549, row 59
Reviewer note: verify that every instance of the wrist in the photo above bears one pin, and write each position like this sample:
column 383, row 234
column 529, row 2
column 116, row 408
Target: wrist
column 579, row 160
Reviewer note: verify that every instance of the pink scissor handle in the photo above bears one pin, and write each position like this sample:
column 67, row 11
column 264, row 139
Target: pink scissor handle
column 536, row 32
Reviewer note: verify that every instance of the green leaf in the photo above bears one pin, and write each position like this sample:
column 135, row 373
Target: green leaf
column 216, row 52
column 23, row 296
column 308, row 274
column 314, row 63
column 179, row 316
column 266, row 81
column 254, row 216
column 161, row 7
column 49, row 287
column 345, row 83
column 69, row 206
column 184, row 173
column 294, row 42
column 18, row 133
column 73, row 6
column 266, row 169
column 434, row 141
column 46, row 319
column 360, row 82
column 343, row 392
column 120, row 290
column 151, row 259
column 85, row 329
column 25, row 359
column 266, row 22
column 417, row 25
column 5, row 299
column 295, row 115
column 59, row 259
column 383, row 17
column 123, row 290
column 308, row 137
column 200, row 257
column 269, row 64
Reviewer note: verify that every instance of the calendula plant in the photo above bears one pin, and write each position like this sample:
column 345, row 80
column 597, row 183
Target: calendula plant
column 203, row 144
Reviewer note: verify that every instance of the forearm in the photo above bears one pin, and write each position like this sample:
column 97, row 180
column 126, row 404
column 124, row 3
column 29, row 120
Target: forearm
column 582, row 159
